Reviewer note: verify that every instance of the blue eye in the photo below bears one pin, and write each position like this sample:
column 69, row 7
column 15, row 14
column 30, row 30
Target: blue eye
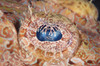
column 47, row 34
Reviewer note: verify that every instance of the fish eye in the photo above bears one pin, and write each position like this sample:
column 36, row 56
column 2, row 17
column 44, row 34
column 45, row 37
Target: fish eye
column 57, row 37
column 48, row 33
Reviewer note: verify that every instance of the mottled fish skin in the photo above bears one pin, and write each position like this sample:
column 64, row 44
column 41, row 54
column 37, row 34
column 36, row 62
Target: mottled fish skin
column 48, row 51
column 79, row 44
column 88, row 53
column 8, row 43
column 81, row 12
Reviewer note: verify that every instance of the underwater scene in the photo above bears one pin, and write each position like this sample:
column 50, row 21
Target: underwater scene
column 49, row 33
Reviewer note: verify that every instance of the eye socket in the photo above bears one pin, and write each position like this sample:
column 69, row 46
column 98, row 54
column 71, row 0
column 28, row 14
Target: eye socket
column 45, row 33
column 49, row 40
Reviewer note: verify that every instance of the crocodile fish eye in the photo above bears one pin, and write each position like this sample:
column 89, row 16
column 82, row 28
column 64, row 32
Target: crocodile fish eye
column 45, row 33
column 51, row 36
column 49, row 33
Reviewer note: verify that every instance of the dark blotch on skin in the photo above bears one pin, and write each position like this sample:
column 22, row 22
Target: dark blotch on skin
column 71, row 3
column 90, row 61
column 80, row 3
column 17, row 24
column 8, row 13
column 70, row 62
column 85, row 43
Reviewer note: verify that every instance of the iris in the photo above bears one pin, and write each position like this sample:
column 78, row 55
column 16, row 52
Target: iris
column 45, row 33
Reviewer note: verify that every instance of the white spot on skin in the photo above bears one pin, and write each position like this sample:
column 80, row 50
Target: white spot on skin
column 77, row 60
column 1, row 13
column 61, row 54
column 45, row 64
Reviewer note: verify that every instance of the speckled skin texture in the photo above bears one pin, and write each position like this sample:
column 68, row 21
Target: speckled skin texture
column 76, row 19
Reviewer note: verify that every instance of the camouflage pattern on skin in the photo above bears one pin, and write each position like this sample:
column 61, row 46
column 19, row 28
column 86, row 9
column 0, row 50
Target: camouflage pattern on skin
column 80, row 12
column 48, row 51
column 8, row 43
column 11, row 6
column 87, row 53
column 77, row 11
column 13, row 10
column 87, row 25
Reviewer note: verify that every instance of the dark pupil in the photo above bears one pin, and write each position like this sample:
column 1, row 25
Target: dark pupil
column 47, row 34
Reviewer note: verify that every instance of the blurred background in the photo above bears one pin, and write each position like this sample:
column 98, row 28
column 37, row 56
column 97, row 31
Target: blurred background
column 97, row 4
